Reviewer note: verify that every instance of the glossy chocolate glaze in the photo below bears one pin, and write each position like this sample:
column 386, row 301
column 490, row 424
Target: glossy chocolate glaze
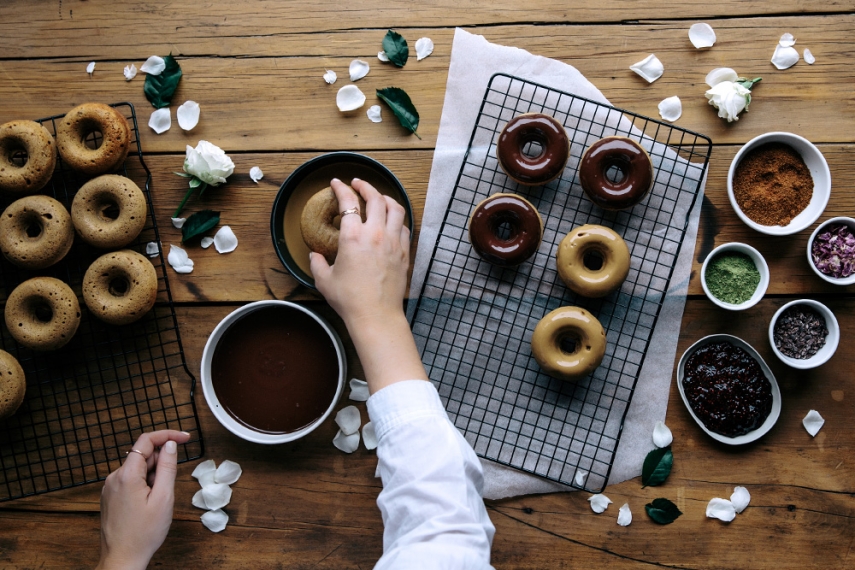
column 526, row 229
column 275, row 370
column 533, row 128
column 627, row 156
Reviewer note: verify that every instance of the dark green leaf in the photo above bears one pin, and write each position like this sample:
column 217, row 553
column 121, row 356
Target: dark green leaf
column 194, row 182
column 159, row 89
column 396, row 48
column 662, row 511
column 199, row 223
column 748, row 83
column 400, row 103
column 657, row 467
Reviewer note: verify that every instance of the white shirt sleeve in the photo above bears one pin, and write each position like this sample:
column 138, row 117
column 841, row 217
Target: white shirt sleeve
column 432, row 505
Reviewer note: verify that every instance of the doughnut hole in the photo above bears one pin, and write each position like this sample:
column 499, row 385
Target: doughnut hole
column 33, row 226
column 18, row 156
column 91, row 135
column 41, row 310
column 569, row 343
column 506, row 226
column 616, row 170
column 533, row 147
column 593, row 260
column 117, row 285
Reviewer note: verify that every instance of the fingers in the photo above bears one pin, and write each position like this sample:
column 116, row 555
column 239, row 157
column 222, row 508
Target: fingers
column 346, row 199
column 394, row 217
column 320, row 270
column 167, row 467
column 146, row 444
column 375, row 204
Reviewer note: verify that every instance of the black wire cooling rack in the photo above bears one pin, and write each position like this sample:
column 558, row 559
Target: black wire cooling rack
column 473, row 321
column 87, row 402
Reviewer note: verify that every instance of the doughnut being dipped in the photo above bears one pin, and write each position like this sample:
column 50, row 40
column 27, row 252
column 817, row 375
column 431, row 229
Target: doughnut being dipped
column 18, row 138
column 319, row 223
column 109, row 212
column 568, row 343
column 120, row 287
column 593, row 260
column 534, row 130
column 42, row 313
column 616, row 173
column 35, row 232
column 13, row 384
column 505, row 229
column 85, row 121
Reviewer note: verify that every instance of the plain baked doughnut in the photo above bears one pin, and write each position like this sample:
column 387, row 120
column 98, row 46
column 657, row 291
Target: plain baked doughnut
column 521, row 236
column 319, row 223
column 616, row 173
column 82, row 122
column 42, row 313
column 32, row 139
column 35, row 232
column 109, row 212
column 120, row 287
column 13, row 384
column 593, row 260
column 568, row 343
column 530, row 130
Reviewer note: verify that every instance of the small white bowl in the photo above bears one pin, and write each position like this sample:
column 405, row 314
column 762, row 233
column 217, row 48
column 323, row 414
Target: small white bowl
column 759, row 262
column 776, row 391
column 819, row 171
column 835, row 280
column 241, row 429
column 831, row 341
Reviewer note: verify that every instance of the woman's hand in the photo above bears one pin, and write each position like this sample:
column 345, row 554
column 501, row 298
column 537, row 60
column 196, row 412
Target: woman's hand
column 137, row 499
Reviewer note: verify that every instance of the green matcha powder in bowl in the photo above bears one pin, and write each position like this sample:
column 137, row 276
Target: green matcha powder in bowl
column 735, row 276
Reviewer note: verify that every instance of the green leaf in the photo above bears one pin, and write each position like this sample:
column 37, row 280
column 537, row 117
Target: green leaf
column 396, row 48
column 194, row 182
column 402, row 106
column 159, row 89
column 199, row 223
column 662, row 511
column 657, row 467
column 183, row 174
column 748, row 83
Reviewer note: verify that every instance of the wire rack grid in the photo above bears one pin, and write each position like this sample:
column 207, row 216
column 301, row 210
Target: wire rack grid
column 87, row 402
column 473, row 321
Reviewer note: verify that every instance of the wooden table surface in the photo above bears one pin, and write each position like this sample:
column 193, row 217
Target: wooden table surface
column 255, row 68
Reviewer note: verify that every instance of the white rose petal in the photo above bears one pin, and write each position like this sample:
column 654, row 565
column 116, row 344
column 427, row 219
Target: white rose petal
column 207, row 242
column 198, row 500
column 178, row 223
column 90, row 68
column 209, row 163
column 720, row 74
column 349, row 420
column 228, row 472
column 650, row 68
column 374, row 113
column 369, row 436
column 255, row 174
column 662, row 435
column 729, row 98
column 721, row 509
column 809, row 58
column 153, row 65
column 216, row 496
column 188, row 115
column 160, row 120
column 671, row 108
column 349, row 98
column 424, row 47
column 358, row 69
column 205, row 467
column 787, row 40
column 330, row 76
column 624, row 516
column 599, row 503
column 358, row 390
column 579, row 477
column 207, row 479
column 179, row 260
column 740, row 498
column 130, row 72
column 152, row 249
column 381, row 55
column 346, row 443
column 215, row 521
column 784, row 57
column 701, row 35
column 813, row 422
column 225, row 240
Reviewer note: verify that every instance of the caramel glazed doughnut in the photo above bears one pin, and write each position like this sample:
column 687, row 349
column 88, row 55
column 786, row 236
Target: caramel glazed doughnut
column 33, row 140
column 533, row 129
column 616, row 173
column 35, row 232
column 94, row 205
column 13, row 385
column 516, row 215
column 42, row 313
column 319, row 223
column 593, row 260
column 568, row 343
column 120, row 287
column 84, row 121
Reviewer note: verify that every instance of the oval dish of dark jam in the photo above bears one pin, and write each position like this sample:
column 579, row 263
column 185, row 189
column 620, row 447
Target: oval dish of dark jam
column 730, row 391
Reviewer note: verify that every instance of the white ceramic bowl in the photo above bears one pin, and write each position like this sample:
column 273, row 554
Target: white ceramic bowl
column 814, row 160
column 759, row 262
column 831, row 341
column 836, row 280
column 238, row 428
column 776, row 391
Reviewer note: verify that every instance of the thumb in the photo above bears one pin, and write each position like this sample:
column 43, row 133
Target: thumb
column 321, row 270
column 167, row 467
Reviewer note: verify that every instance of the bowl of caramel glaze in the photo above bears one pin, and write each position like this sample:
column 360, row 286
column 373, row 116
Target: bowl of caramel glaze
column 272, row 371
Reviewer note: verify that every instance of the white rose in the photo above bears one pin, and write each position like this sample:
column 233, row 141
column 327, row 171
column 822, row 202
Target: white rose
column 208, row 163
column 730, row 98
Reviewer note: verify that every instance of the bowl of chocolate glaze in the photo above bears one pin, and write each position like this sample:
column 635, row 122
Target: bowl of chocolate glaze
column 272, row 371
column 728, row 389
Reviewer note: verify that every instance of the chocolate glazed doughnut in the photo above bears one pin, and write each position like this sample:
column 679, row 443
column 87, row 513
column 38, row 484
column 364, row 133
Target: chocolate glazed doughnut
column 505, row 229
column 535, row 129
column 616, row 173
